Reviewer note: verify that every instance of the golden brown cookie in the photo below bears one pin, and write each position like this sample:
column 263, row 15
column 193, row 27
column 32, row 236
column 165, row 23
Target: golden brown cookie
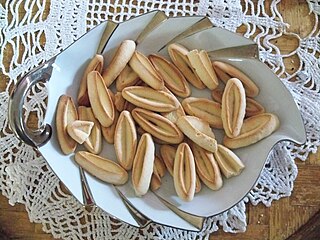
column 184, row 173
column 95, row 64
column 173, row 78
column 102, row 168
column 94, row 142
column 100, row 99
column 250, row 87
column 145, row 70
column 233, row 107
column 148, row 98
column 229, row 163
column 125, row 140
column 66, row 113
column 178, row 55
column 254, row 129
column 119, row 61
column 205, row 109
column 143, row 165
column 198, row 131
column 157, row 126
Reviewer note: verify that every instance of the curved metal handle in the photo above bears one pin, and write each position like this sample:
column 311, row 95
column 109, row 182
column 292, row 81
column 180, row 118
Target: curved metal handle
column 38, row 137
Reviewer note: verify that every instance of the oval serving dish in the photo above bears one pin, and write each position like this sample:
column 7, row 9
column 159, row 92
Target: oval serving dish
column 153, row 32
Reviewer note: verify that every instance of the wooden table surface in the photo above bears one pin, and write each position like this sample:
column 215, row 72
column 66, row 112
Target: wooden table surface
column 279, row 221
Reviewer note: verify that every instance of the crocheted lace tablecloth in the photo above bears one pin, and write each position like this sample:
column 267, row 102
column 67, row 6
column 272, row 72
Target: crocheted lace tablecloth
column 33, row 37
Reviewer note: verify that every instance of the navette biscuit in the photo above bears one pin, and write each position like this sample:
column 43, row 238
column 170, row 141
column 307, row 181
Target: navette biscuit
column 184, row 172
column 252, row 106
column 233, row 107
column 66, row 113
column 198, row 131
column 205, row 109
column 95, row 64
column 173, row 78
column 207, row 167
column 119, row 61
column 145, row 70
column 126, row 78
column 102, row 168
column 125, row 140
column 150, row 99
column 143, row 165
column 178, row 55
column 250, row 87
column 80, row 130
column 254, row 129
column 94, row 142
column 157, row 126
column 202, row 67
column 229, row 163
column 100, row 99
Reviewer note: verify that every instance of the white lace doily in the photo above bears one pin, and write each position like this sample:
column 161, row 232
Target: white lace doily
column 24, row 176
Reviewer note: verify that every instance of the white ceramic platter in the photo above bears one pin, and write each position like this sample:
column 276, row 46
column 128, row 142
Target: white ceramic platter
column 164, row 206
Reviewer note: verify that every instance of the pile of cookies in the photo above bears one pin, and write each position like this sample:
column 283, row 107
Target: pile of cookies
column 145, row 111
